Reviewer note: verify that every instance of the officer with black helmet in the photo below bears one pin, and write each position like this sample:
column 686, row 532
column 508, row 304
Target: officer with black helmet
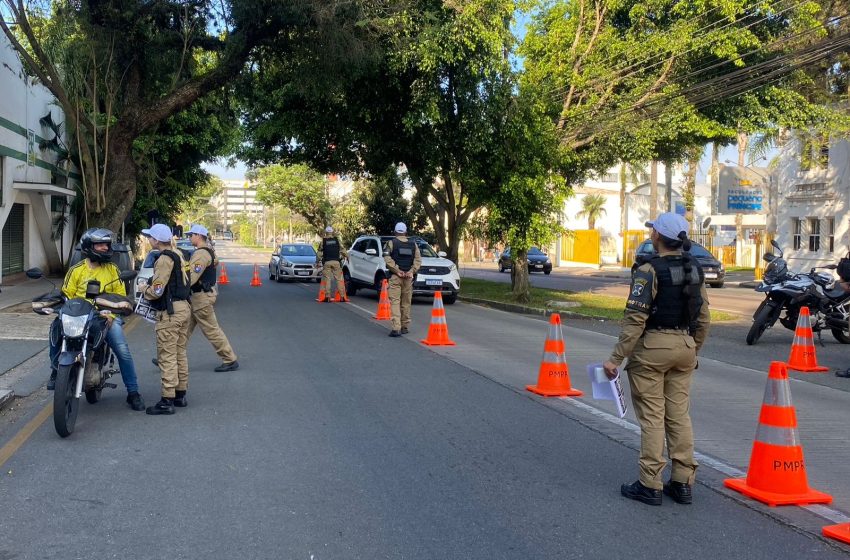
column 665, row 324
column 168, row 292
column 96, row 248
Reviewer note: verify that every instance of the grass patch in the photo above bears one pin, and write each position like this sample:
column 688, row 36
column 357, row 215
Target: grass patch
column 592, row 305
column 740, row 269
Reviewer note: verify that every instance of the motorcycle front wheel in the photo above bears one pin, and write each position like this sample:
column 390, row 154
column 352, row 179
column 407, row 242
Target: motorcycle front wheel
column 760, row 323
column 841, row 335
column 65, row 402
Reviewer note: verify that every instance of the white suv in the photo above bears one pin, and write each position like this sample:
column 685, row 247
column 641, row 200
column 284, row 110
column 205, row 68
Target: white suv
column 365, row 268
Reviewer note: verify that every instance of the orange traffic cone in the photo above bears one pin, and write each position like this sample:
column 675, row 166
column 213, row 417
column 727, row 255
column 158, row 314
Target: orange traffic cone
column 438, row 331
column 803, row 356
column 840, row 532
column 337, row 296
column 554, row 377
column 384, row 311
column 255, row 281
column 222, row 279
column 777, row 473
column 323, row 295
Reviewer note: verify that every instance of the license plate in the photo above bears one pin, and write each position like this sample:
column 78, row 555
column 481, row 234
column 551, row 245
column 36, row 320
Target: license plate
column 538, row 266
column 302, row 273
column 711, row 275
column 433, row 282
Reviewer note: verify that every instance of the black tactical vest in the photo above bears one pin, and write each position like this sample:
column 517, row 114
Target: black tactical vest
column 672, row 307
column 403, row 253
column 177, row 288
column 330, row 249
column 208, row 277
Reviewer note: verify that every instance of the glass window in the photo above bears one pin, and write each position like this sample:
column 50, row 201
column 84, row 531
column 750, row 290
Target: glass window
column 699, row 251
column 150, row 259
column 372, row 244
column 797, row 229
column 814, row 234
column 535, row 251
column 360, row 246
column 830, row 232
column 297, row 251
column 426, row 250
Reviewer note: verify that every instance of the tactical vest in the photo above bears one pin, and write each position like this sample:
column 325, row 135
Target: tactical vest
column 330, row 249
column 208, row 278
column 177, row 288
column 403, row 253
column 674, row 306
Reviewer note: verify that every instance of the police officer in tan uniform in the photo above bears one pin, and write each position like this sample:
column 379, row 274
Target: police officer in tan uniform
column 665, row 324
column 330, row 253
column 202, row 279
column 403, row 260
column 168, row 292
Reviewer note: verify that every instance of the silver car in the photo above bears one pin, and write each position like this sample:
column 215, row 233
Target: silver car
column 295, row 261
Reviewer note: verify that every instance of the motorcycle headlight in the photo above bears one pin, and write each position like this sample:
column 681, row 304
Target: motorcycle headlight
column 73, row 327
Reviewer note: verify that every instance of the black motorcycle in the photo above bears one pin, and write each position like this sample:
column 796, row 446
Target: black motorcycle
column 85, row 360
column 829, row 306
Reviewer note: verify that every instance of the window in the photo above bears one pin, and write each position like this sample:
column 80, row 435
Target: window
column 814, row 153
column 611, row 178
column 830, row 234
column 814, row 234
column 372, row 244
column 797, row 228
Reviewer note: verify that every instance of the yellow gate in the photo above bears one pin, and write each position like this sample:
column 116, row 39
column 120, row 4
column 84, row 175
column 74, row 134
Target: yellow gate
column 581, row 246
column 631, row 241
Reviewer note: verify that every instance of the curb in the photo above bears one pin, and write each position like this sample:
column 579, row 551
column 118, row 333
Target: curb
column 6, row 396
column 524, row 309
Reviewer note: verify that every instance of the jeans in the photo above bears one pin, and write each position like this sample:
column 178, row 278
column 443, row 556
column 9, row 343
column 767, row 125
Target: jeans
column 118, row 342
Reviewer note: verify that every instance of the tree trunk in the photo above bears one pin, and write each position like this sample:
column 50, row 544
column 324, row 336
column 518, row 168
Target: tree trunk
column 653, row 189
column 743, row 144
column 668, row 186
column 121, row 175
column 623, row 187
column 520, row 285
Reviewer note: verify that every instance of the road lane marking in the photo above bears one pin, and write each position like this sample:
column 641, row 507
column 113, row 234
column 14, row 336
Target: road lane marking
column 24, row 434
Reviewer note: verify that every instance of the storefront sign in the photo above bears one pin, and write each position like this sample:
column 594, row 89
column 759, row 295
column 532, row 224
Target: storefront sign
column 743, row 191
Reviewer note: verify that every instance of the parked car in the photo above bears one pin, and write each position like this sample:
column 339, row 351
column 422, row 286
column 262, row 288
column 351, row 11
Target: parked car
column 365, row 268
column 227, row 236
column 295, row 261
column 714, row 271
column 538, row 261
column 146, row 270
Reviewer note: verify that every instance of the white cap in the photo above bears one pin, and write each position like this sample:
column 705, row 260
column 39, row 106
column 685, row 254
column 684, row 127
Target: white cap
column 669, row 225
column 329, row 229
column 400, row 228
column 199, row 229
column 160, row 232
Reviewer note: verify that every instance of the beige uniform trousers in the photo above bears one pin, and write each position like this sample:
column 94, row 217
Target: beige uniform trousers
column 660, row 371
column 332, row 271
column 171, row 338
column 203, row 315
column 400, row 292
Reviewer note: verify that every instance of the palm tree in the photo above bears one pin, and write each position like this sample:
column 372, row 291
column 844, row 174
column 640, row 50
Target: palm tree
column 593, row 207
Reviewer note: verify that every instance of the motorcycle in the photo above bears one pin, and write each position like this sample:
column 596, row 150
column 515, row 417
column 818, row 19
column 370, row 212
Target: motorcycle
column 85, row 361
column 829, row 306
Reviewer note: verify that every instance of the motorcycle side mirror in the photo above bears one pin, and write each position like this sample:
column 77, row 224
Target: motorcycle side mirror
column 35, row 273
column 128, row 275
column 769, row 257
column 831, row 266
column 775, row 244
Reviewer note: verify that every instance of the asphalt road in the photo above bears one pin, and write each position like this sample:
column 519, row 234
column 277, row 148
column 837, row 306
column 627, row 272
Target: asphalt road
column 727, row 341
column 335, row 441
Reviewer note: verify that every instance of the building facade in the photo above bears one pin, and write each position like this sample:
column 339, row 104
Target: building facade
column 813, row 201
column 238, row 197
column 36, row 188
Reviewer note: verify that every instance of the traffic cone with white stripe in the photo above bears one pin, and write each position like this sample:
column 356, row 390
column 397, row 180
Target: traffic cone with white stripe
column 777, row 473
column 255, row 281
column 222, row 279
column 323, row 294
column 553, row 380
column 803, row 357
column 384, row 312
column 438, row 331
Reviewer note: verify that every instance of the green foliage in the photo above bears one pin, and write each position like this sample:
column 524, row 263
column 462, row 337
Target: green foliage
column 384, row 205
column 298, row 188
column 592, row 208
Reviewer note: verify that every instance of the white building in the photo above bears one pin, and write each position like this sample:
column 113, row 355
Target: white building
column 813, row 201
column 34, row 190
column 238, row 197
column 637, row 204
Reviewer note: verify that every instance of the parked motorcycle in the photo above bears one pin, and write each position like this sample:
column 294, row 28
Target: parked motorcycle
column 829, row 305
column 85, row 360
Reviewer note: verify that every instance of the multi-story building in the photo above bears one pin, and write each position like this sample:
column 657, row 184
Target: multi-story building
column 238, row 197
column 35, row 188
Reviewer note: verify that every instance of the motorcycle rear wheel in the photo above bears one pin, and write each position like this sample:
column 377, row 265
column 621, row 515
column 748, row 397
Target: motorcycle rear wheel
column 65, row 402
column 760, row 323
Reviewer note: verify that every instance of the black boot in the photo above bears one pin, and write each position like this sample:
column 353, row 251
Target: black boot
column 155, row 362
column 164, row 406
column 679, row 491
column 51, row 383
column 641, row 493
column 395, row 334
column 232, row 366
column 135, row 401
column 180, row 399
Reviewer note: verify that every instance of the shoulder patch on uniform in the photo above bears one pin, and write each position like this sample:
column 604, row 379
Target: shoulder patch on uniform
column 640, row 293
column 198, row 268
column 157, row 289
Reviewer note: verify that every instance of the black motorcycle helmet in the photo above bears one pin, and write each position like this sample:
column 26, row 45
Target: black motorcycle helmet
column 91, row 238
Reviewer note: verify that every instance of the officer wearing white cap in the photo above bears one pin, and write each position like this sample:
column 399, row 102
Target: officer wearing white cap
column 168, row 292
column 330, row 253
column 403, row 260
column 202, row 279
column 664, row 326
